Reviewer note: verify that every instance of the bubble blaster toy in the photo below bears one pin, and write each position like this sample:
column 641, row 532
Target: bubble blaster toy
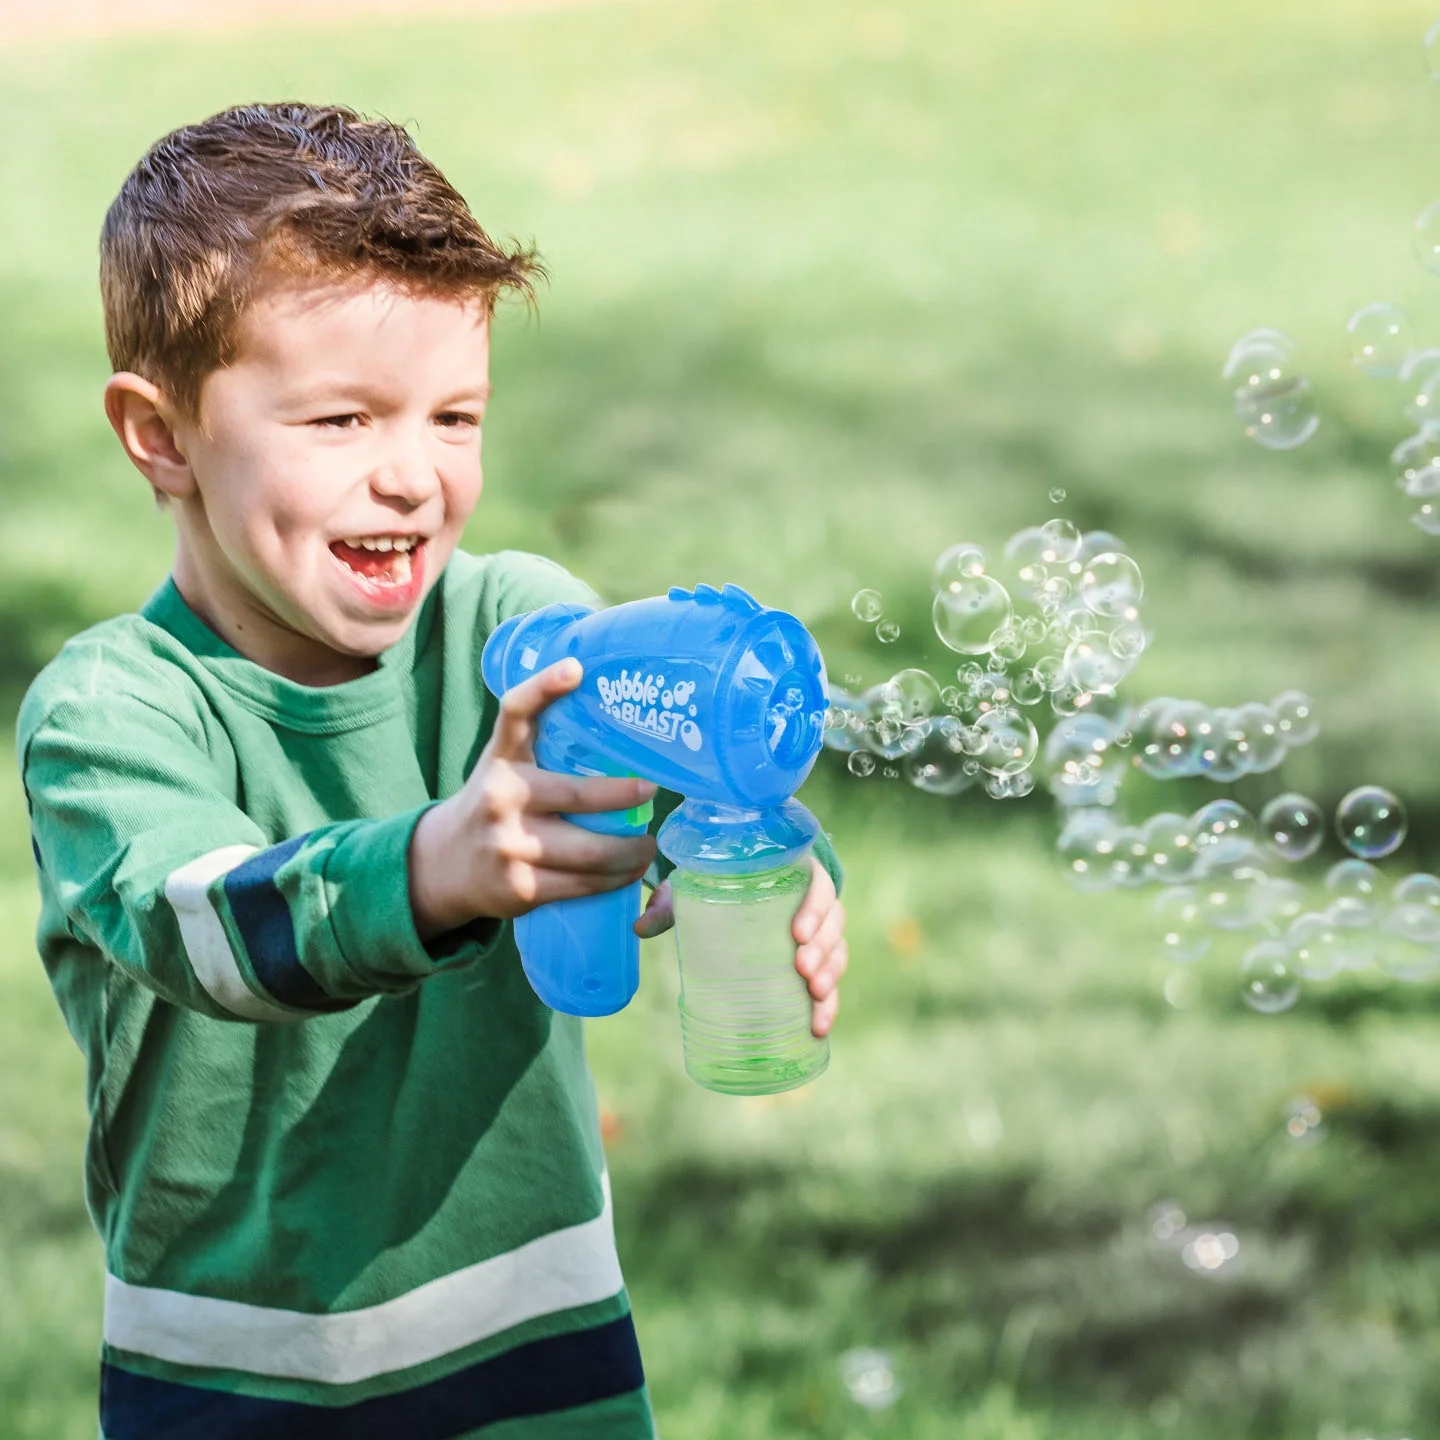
column 710, row 694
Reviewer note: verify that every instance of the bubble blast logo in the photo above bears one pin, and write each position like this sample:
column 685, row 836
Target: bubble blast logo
column 645, row 703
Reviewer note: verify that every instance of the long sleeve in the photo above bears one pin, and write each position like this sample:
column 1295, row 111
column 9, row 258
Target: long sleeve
column 145, row 851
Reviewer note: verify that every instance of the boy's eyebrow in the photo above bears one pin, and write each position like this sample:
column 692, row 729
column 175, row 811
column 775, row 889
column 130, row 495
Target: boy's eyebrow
column 331, row 387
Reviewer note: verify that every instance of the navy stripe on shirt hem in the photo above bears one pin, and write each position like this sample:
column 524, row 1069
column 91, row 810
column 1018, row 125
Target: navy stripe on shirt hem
column 559, row 1372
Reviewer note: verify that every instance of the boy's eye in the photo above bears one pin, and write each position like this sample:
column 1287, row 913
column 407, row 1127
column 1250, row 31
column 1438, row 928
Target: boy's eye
column 339, row 422
column 453, row 419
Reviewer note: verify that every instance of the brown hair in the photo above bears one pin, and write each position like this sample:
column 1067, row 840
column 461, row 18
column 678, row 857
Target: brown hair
column 276, row 192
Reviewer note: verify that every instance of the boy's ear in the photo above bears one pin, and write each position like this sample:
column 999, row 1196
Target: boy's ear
column 143, row 422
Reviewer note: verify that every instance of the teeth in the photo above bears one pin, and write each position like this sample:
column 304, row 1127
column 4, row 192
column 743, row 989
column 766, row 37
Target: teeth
column 382, row 543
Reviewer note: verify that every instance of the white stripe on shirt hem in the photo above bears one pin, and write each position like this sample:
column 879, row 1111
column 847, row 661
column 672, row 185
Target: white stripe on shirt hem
column 206, row 943
column 562, row 1270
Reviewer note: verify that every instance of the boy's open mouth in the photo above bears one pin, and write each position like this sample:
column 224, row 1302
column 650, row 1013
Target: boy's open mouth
column 383, row 560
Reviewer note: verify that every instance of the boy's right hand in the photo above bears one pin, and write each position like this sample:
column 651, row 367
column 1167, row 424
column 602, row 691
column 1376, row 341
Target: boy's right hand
column 498, row 846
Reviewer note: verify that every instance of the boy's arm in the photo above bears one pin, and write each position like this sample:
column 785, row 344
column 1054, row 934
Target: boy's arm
column 152, row 863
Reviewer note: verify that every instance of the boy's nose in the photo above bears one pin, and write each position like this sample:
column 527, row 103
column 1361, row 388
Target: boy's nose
column 408, row 477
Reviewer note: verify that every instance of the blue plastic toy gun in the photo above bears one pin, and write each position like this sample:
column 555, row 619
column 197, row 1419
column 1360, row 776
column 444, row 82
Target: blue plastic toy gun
column 706, row 693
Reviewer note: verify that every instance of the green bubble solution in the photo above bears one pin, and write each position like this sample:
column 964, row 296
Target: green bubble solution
column 745, row 1010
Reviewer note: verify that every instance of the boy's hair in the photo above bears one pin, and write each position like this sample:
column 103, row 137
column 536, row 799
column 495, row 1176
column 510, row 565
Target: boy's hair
column 273, row 192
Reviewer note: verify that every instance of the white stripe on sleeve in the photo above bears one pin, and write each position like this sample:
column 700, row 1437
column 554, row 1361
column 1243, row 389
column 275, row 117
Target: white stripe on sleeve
column 567, row 1268
column 206, row 944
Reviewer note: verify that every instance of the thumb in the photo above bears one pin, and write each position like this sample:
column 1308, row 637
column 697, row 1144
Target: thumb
column 659, row 913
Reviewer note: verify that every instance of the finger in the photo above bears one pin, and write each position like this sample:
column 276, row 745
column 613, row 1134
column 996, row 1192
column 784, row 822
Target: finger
column 818, row 899
column 659, row 914
column 827, row 977
column 824, row 1015
column 521, row 704
column 558, row 845
column 585, row 794
column 811, row 954
column 551, row 885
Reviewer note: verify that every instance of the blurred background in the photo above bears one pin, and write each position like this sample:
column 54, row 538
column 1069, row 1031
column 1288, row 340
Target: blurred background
column 836, row 284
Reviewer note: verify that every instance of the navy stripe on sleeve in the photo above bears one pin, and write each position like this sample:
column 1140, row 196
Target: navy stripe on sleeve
column 263, row 917
column 557, row 1373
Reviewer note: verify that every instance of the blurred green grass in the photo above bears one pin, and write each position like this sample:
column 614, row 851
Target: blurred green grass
column 835, row 285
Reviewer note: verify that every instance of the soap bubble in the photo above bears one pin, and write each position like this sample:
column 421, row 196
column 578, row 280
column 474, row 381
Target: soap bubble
column 1294, row 711
column 1234, row 898
column 1009, row 741
column 861, row 762
column 1007, row 644
column 1408, row 946
column 937, row 769
column 1084, row 767
column 1293, row 826
column 1129, row 857
column 1370, row 822
column 1085, row 845
column 1024, row 546
column 1432, row 49
column 1224, row 832
column 1183, row 937
column 1170, row 843
column 1420, row 385
column 957, row 564
column 1261, row 744
column 1279, row 900
column 1427, row 517
column 914, row 695
column 1179, row 738
column 867, row 605
column 1092, row 665
column 1418, row 889
column 1057, row 495
column 1128, row 641
column 1315, row 945
column 1275, row 405
column 1097, row 542
column 1111, row 584
column 1427, row 237
column 1417, row 459
column 1356, row 881
column 1059, row 542
column 870, row 1378
column 887, row 632
column 1223, row 756
column 1051, row 670
column 1028, row 687
column 1267, row 983
column 1379, row 339
column 969, row 612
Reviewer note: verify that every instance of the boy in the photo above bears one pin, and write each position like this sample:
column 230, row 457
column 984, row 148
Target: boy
column 346, row 1166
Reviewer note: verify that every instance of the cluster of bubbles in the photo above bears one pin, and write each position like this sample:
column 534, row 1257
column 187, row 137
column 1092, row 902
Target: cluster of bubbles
column 1177, row 738
column 1216, row 868
column 1210, row 1249
column 1173, row 850
column 869, row 1377
column 1061, row 636
column 1416, row 459
column 1273, row 401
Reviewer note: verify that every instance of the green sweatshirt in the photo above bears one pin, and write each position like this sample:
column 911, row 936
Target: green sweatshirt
column 349, row 1183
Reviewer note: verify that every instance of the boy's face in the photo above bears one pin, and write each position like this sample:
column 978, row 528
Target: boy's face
column 336, row 465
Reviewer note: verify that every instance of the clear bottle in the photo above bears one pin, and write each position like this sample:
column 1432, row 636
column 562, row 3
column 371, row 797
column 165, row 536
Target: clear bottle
column 745, row 1010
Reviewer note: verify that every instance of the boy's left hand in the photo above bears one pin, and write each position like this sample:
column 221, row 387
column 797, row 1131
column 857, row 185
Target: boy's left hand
column 819, row 930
